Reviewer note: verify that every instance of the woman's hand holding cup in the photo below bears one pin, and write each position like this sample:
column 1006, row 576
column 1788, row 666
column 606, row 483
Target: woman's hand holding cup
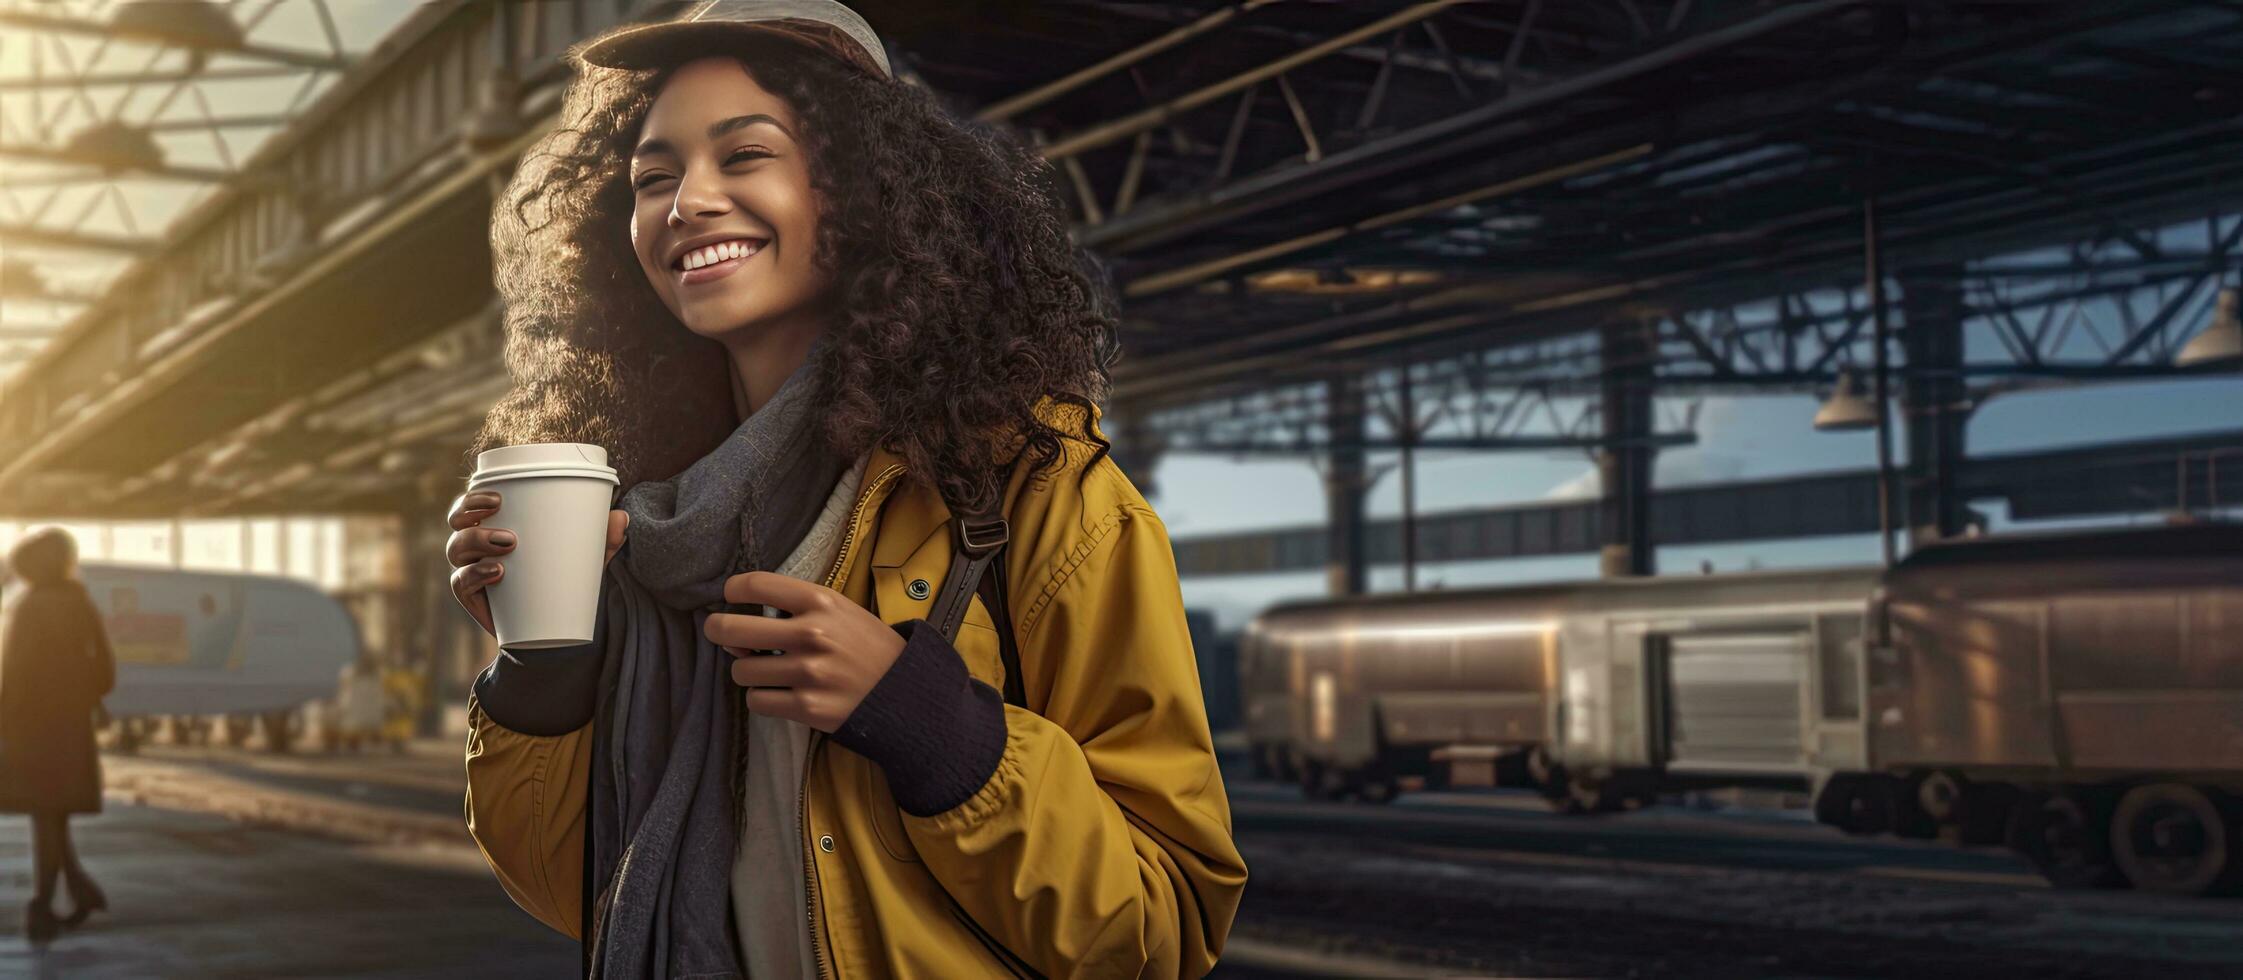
column 474, row 550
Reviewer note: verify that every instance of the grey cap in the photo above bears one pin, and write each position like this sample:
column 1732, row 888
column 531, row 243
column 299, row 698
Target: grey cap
column 823, row 24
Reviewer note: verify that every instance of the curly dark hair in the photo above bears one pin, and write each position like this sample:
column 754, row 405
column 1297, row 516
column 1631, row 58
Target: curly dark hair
column 963, row 301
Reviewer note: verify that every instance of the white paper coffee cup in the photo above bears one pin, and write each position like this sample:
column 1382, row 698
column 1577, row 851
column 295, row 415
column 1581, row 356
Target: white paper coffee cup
column 555, row 497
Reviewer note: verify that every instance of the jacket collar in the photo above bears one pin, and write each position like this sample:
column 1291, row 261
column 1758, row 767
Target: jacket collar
column 904, row 529
column 1063, row 415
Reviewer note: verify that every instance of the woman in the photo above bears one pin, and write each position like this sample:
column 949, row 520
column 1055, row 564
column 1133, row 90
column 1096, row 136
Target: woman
column 55, row 667
column 810, row 315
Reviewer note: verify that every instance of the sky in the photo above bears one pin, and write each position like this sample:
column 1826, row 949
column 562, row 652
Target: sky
column 1738, row 437
column 1744, row 438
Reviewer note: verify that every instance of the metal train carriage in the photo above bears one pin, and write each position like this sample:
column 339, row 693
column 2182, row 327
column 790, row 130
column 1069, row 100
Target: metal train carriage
column 193, row 645
column 1554, row 684
column 2076, row 696
column 1350, row 696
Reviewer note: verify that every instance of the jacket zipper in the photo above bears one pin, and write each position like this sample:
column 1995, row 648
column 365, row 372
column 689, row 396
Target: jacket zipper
column 817, row 738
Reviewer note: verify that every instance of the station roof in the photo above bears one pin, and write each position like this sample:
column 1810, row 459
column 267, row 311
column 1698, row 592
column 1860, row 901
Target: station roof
column 1280, row 188
column 1472, row 174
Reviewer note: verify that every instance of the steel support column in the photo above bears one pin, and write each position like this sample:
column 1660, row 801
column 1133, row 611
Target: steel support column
column 1137, row 450
column 428, row 607
column 1624, row 464
column 1346, row 483
column 1935, row 402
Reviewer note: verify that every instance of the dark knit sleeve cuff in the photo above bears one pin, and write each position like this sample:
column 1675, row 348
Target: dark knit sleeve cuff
column 546, row 692
column 935, row 731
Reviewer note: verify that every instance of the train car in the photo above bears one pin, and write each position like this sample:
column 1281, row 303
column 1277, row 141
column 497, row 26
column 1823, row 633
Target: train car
column 2078, row 697
column 2075, row 696
column 1265, row 709
column 1693, row 682
column 1600, row 694
column 1350, row 696
column 194, row 644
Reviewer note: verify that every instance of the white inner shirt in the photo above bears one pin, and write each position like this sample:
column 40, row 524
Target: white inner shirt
column 770, row 907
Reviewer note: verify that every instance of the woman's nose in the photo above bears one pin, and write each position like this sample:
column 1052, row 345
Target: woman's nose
column 699, row 196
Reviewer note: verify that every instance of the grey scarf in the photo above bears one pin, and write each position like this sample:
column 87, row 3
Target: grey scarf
column 663, row 796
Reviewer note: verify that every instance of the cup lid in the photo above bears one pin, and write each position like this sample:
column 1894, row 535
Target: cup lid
column 486, row 477
column 541, row 454
column 541, row 459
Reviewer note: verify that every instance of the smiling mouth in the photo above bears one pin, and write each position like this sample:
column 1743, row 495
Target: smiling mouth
column 716, row 261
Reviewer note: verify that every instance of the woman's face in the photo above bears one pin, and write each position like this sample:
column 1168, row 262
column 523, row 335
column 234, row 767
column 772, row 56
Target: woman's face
column 718, row 164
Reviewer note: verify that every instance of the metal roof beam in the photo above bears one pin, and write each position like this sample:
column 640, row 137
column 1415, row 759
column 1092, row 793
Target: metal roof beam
column 1156, row 116
column 111, row 79
column 46, row 154
column 1435, row 61
column 61, row 238
column 28, row 20
column 1457, row 134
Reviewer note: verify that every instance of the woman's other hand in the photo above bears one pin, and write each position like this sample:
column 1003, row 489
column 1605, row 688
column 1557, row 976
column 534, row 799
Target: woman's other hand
column 473, row 551
column 833, row 650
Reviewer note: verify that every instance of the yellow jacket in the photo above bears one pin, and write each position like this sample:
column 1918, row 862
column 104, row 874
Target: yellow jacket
column 1101, row 847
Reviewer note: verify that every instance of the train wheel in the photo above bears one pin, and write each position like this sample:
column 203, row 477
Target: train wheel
column 1311, row 779
column 238, row 728
column 1585, row 797
column 1556, row 787
column 2066, row 839
column 1912, row 801
column 130, row 734
column 1287, row 768
column 2172, row 838
column 1542, row 771
column 1375, row 783
column 1259, row 756
column 1984, row 812
column 1851, row 803
column 280, row 730
column 1438, row 776
column 1925, row 802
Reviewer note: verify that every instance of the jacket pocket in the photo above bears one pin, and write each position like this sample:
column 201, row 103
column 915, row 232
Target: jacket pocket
column 1014, row 964
column 887, row 818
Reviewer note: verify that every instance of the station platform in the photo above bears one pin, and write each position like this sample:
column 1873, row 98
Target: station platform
column 201, row 895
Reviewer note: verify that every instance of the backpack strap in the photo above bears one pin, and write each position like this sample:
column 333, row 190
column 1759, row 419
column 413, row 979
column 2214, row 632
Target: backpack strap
column 978, row 541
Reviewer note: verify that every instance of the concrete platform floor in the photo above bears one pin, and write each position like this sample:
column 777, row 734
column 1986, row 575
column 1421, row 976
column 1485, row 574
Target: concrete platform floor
column 199, row 890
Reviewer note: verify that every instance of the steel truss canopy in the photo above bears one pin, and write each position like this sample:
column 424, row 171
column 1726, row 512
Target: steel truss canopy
column 98, row 99
column 1284, row 186
column 1460, row 194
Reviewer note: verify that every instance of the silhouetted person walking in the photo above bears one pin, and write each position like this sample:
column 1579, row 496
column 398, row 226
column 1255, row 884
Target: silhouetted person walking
column 55, row 667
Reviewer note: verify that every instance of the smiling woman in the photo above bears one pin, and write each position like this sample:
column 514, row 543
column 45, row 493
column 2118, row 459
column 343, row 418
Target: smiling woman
column 815, row 318
column 936, row 249
column 714, row 189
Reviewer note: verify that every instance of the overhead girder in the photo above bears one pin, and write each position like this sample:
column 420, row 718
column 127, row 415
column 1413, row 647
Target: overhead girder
column 1924, row 239
column 1582, row 62
column 1784, row 342
column 29, row 20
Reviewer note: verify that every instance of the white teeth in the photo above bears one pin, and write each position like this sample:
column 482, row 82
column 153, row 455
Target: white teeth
column 736, row 248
